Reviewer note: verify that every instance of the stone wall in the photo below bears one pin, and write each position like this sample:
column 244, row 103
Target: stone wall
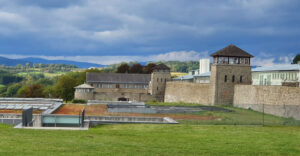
column 84, row 95
column 114, row 94
column 158, row 84
column 224, row 78
column 278, row 100
column 188, row 92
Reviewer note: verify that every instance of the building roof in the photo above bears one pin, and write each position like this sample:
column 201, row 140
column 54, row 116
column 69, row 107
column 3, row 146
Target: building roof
column 203, row 75
column 161, row 67
column 232, row 51
column 118, row 78
column 84, row 86
column 285, row 67
column 185, row 77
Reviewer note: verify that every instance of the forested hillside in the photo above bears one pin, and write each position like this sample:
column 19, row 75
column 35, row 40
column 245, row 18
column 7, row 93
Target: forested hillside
column 176, row 66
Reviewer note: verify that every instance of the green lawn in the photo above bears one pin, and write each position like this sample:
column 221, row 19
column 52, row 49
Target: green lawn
column 140, row 139
column 238, row 116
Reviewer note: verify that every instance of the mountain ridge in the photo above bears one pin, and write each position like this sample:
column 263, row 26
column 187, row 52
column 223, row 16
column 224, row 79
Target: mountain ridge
column 33, row 60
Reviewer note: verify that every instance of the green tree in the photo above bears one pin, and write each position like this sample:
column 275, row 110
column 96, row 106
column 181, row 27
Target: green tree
column 22, row 91
column 123, row 68
column 148, row 69
column 12, row 90
column 296, row 59
column 65, row 87
column 34, row 91
column 136, row 68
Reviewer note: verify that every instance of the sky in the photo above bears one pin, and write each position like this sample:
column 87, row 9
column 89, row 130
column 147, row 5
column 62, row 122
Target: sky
column 112, row 31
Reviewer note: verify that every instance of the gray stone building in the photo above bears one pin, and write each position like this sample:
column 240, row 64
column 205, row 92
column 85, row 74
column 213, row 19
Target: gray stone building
column 125, row 87
column 231, row 66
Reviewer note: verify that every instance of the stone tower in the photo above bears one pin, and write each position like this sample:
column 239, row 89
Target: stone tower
column 231, row 66
column 160, row 75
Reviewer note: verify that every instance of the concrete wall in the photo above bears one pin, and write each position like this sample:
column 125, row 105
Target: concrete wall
column 188, row 92
column 277, row 100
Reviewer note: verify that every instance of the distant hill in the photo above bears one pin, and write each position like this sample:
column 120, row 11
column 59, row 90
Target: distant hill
column 11, row 62
column 32, row 60
column 78, row 64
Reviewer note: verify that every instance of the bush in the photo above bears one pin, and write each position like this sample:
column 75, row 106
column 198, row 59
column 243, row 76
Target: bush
column 78, row 101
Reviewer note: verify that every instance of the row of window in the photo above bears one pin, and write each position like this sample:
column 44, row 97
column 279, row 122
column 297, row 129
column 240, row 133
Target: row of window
column 285, row 76
column 161, row 79
column 82, row 90
column 127, row 86
column 278, row 76
column 231, row 60
column 233, row 78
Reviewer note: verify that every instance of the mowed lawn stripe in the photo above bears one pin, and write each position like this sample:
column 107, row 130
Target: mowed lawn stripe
column 143, row 139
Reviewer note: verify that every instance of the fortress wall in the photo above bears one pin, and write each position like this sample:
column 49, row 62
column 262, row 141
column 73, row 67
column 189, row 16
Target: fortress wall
column 278, row 100
column 188, row 92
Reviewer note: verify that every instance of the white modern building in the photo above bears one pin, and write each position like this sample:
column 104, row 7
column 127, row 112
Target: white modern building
column 269, row 75
column 275, row 75
column 204, row 66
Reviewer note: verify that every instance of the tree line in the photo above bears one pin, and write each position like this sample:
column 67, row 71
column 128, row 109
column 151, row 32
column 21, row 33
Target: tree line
column 175, row 66
column 49, row 68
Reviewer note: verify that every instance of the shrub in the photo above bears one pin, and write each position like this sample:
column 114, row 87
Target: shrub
column 78, row 101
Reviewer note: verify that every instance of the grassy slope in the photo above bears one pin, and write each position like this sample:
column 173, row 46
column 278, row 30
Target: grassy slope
column 138, row 139
column 238, row 116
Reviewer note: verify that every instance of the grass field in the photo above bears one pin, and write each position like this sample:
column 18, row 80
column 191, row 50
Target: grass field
column 1, row 86
column 139, row 139
column 46, row 74
column 176, row 74
column 238, row 116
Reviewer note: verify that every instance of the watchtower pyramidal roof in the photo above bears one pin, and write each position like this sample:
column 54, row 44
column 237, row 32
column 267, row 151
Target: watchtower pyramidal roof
column 231, row 51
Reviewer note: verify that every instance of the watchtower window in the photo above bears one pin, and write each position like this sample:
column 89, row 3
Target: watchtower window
column 157, row 88
column 241, row 79
column 225, row 79
column 233, row 77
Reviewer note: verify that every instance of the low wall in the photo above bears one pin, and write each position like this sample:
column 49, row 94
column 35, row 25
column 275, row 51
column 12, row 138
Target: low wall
column 277, row 100
column 188, row 92
column 98, row 120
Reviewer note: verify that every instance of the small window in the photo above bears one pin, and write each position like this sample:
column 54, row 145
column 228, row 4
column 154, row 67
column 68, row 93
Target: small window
column 157, row 88
column 233, row 77
column 225, row 79
column 241, row 79
column 117, row 86
column 157, row 79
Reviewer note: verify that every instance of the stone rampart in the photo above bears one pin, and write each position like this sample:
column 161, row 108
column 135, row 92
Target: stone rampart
column 277, row 100
column 188, row 92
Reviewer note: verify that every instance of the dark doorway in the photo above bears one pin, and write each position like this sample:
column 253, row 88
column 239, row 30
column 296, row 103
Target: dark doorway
column 123, row 99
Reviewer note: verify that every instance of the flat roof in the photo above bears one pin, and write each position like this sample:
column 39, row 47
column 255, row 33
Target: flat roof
column 284, row 67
